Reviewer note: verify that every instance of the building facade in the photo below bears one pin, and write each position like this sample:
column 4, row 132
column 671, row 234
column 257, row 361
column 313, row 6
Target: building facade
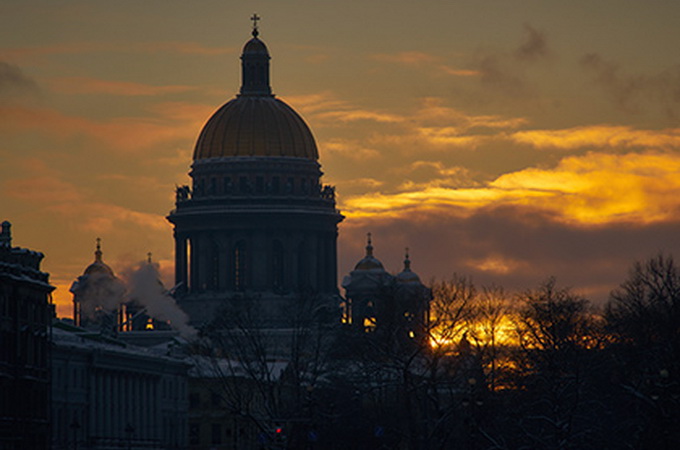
column 107, row 394
column 257, row 224
column 25, row 312
column 392, row 305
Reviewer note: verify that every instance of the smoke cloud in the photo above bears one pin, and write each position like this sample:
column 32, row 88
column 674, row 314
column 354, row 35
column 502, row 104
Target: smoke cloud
column 145, row 287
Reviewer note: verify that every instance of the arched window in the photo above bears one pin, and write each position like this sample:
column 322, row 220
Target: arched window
column 277, row 265
column 240, row 266
column 213, row 271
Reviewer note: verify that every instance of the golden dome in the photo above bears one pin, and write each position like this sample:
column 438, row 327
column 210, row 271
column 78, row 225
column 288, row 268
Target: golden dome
column 254, row 125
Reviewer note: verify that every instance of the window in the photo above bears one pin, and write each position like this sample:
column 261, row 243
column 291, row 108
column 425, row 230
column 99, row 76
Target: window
column 215, row 400
column 302, row 266
column 277, row 265
column 239, row 264
column 216, row 433
column 194, row 433
column 244, row 185
column 213, row 268
column 194, row 400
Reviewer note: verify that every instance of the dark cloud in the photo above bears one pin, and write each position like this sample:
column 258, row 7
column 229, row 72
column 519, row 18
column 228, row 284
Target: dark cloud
column 14, row 83
column 534, row 46
column 511, row 247
column 636, row 93
column 497, row 73
column 502, row 70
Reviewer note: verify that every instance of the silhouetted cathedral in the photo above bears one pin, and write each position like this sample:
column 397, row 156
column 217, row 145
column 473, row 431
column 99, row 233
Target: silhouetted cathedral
column 256, row 223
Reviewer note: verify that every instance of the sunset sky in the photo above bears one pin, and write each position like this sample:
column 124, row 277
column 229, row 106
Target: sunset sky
column 507, row 140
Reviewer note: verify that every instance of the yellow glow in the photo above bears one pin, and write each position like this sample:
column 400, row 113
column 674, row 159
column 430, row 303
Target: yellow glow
column 593, row 189
column 149, row 324
column 599, row 136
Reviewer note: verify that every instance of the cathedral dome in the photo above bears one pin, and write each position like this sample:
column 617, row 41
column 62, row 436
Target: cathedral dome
column 255, row 123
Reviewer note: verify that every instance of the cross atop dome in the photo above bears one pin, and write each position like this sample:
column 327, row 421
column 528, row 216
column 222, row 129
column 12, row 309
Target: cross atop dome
column 98, row 251
column 369, row 245
column 255, row 18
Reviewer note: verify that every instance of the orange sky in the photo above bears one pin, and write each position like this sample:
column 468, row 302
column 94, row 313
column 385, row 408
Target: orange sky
column 506, row 140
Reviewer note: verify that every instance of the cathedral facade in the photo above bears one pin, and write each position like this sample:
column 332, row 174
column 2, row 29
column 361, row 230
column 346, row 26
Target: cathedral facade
column 257, row 225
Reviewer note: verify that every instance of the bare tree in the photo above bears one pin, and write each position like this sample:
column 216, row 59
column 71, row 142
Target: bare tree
column 644, row 317
column 557, row 334
column 269, row 376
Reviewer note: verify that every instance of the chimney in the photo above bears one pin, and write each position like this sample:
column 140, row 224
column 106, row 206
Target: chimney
column 6, row 235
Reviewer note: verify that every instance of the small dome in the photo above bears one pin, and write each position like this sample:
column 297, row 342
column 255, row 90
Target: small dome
column 255, row 46
column 98, row 266
column 407, row 276
column 255, row 126
column 369, row 262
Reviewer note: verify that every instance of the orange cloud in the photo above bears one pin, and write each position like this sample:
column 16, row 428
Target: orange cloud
column 86, row 85
column 595, row 189
column 409, row 58
column 460, row 72
column 599, row 136
column 450, row 136
column 351, row 149
column 497, row 264
column 104, row 218
column 352, row 115
column 43, row 186
column 127, row 134
column 191, row 48
column 421, row 58
column 433, row 112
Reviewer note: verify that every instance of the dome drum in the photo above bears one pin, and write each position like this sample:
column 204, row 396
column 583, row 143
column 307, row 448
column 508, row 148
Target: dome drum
column 256, row 182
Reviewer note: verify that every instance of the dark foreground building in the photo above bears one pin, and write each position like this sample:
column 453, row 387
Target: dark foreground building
column 25, row 312
column 256, row 224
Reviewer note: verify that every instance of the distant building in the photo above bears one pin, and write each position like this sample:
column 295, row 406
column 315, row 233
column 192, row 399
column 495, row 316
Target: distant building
column 97, row 296
column 379, row 302
column 227, row 408
column 103, row 302
column 107, row 394
column 25, row 312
